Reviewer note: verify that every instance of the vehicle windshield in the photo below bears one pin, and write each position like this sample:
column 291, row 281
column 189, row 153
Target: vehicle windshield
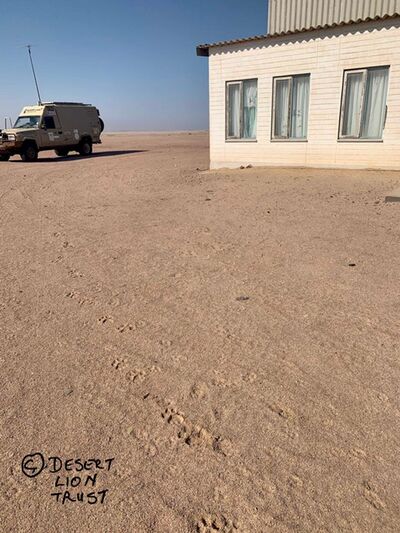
column 27, row 122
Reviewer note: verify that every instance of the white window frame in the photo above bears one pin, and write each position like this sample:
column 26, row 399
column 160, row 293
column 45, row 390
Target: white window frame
column 287, row 138
column 364, row 71
column 231, row 137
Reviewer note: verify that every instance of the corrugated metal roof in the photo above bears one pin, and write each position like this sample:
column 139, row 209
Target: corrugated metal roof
column 203, row 49
column 289, row 16
column 206, row 47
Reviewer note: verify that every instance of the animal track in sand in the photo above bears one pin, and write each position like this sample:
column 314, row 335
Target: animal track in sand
column 295, row 481
column 9, row 489
column 192, row 434
column 65, row 243
column 226, row 332
column 289, row 423
column 284, row 412
column 125, row 327
column 166, row 343
column 80, row 299
column 199, row 391
column 122, row 328
column 137, row 324
column 75, row 273
column 220, row 494
column 58, row 259
column 188, row 253
column 359, row 453
column 141, row 374
column 244, row 379
column 222, row 382
column 91, row 394
column 134, row 374
column 118, row 363
column 250, row 378
column 104, row 319
column 372, row 497
column 146, row 443
column 383, row 397
column 209, row 523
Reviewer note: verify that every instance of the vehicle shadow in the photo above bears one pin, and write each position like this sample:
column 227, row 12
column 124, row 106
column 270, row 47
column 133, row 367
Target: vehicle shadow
column 73, row 157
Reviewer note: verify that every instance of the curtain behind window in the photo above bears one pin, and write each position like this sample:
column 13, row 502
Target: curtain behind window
column 282, row 90
column 375, row 104
column 250, row 109
column 353, row 104
column 234, row 110
column 299, row 109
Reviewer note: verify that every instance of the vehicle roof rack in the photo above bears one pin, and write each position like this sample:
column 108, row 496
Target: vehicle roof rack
column 64, row 103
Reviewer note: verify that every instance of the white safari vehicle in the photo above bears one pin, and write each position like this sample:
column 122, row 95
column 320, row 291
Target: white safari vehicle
column 59, row 126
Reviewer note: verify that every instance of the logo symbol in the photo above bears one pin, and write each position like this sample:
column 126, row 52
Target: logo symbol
column 33, row 464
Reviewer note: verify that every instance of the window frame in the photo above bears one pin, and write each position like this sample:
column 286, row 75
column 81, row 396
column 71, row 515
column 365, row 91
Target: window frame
column 289, row 77
column 51, row 118
column 352, row 138
column 227, row 116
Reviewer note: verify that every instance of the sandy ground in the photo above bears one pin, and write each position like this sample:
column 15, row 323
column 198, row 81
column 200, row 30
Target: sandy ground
column 205, row 331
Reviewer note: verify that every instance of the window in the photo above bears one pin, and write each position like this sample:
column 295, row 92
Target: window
column 27, row 122
column 241, row 110
column 48, row 122
column 290, row 107
column 363, row 112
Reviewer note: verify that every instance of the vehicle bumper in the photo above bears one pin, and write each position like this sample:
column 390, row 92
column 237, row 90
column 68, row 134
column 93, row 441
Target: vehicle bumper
column 10, row 147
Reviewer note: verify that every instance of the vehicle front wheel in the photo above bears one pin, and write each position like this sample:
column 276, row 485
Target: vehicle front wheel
column 62, row 153
column 29, row 153
column 85, row 147
column 4, row 157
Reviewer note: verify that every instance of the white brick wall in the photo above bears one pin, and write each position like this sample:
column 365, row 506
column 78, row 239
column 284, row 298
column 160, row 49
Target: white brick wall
column 325, row 55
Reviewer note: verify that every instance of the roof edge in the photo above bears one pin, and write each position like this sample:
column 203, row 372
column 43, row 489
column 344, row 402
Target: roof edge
column 203, row 50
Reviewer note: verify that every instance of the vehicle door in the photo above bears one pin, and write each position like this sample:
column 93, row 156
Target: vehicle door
column 64, row 120
column 50, row 130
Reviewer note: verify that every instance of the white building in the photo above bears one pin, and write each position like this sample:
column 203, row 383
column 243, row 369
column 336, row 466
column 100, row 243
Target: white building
column 321, row 89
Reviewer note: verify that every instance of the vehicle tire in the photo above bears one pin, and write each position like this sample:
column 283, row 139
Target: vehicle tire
column 4, row 157
column 101, row 125
column 29, row 153
column 62, row 153
column 85, row 147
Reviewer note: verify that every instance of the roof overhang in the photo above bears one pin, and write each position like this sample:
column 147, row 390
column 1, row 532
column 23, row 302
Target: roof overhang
column 203, row 50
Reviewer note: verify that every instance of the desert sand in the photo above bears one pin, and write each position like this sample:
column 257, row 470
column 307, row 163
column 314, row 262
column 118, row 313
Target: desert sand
column 229, row 339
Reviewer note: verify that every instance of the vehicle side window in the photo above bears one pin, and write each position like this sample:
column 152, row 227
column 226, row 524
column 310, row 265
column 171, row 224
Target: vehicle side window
column 49, row 123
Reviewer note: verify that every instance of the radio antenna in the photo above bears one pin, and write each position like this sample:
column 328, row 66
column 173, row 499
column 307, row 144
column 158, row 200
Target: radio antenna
column 34, row 74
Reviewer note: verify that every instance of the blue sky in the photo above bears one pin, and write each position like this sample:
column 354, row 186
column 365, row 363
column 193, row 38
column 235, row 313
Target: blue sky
column 134, row 59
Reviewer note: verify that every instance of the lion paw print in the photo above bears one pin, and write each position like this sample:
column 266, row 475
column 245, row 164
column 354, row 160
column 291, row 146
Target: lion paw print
column 125, row 327
column 140, row 374
column 193, row 435
column 104, row 319
column 212, row 523
column 118, row 363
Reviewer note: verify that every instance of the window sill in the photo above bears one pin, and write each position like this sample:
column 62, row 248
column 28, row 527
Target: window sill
column 241, row 140
column 360, row 140
column 289, row 140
